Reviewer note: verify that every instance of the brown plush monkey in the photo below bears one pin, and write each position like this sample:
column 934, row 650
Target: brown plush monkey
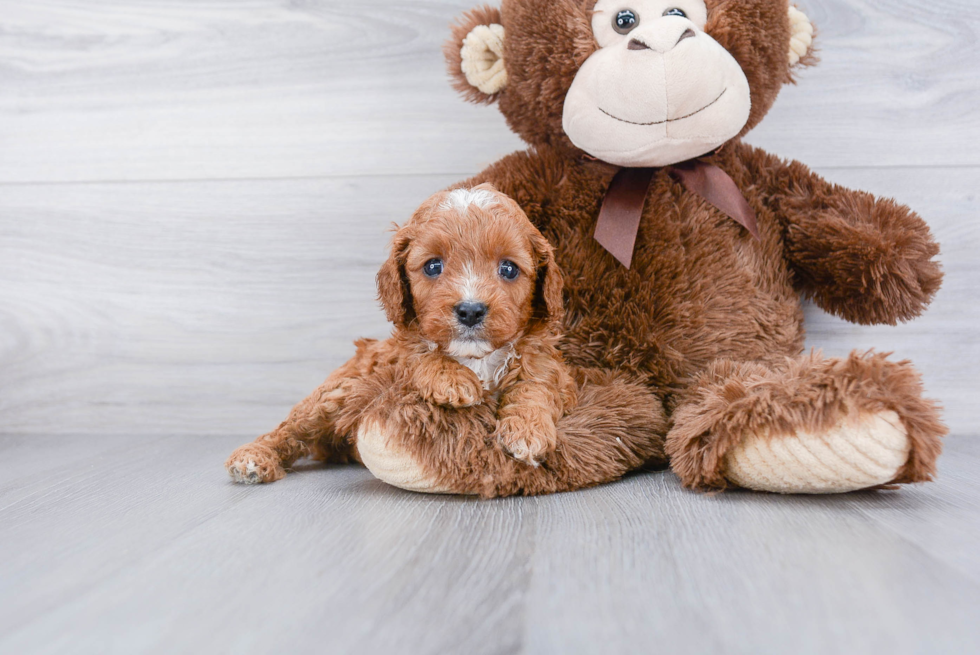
column 686, row 252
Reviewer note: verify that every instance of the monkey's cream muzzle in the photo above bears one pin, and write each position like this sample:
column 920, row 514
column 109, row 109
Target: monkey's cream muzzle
column 660, row 95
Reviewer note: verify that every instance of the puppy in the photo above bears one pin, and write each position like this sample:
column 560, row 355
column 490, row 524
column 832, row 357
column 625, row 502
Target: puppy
column 475, row 298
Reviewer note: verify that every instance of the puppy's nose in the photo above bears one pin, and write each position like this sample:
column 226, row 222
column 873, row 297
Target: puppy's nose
column 470, row 314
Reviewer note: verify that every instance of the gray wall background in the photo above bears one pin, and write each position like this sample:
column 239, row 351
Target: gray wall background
column 194, row 195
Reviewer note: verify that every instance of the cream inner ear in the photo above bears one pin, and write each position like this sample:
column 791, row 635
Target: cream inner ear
column 801, row 35
column 483, row 58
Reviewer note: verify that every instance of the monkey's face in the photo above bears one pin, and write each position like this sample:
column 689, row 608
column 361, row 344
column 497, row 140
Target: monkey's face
column 659, row 89
column 630, row 82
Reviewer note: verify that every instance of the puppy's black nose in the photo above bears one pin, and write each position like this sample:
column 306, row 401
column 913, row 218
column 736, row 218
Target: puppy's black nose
column 471, row 314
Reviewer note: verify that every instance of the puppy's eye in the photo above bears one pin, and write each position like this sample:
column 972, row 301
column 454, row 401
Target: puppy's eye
column 625, row 21
column 674, row 11
column 433, row 268
column 508, row 270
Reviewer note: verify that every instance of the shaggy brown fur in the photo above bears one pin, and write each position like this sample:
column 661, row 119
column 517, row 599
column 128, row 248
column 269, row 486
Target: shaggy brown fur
column 531, row 425
column 703, row 301
column 616, row 427
column 811, row 393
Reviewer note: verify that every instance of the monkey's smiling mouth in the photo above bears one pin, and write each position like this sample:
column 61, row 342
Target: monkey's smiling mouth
column 666, row 120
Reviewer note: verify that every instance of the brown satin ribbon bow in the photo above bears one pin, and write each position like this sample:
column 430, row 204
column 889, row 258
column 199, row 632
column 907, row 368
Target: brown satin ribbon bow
column 622, row 208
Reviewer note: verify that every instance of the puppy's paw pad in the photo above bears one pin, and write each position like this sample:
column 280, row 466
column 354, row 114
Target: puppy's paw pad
column 523, row 443
column 457, row 395
column 254, row 465
column 524, row 452
column 246, row 472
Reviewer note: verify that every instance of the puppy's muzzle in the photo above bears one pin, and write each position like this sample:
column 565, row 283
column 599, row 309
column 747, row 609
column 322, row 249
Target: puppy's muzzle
column 470, row 314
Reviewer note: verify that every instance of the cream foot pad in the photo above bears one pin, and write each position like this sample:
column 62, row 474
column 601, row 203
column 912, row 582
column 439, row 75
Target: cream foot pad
column 397, row 468
column 859, row 452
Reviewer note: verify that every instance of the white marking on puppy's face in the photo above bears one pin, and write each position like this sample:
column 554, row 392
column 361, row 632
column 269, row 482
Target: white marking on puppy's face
column 461, row 199
column 468, row 291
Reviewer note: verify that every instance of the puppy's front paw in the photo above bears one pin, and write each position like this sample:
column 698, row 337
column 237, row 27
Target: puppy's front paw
column 254, row 464
column 455, row 391
column 528, row 442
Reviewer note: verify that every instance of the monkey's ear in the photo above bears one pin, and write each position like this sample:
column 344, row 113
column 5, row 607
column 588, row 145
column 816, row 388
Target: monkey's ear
column 393, row 289
column 801, row 51
column 475, row 55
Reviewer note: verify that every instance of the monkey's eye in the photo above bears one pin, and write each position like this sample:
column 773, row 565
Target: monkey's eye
column 433, row 268
column 625, row 21
column 508, row 270
column 674, row 11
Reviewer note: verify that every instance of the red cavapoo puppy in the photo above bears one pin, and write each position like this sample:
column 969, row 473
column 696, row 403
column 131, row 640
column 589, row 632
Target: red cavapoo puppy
column 470, row 394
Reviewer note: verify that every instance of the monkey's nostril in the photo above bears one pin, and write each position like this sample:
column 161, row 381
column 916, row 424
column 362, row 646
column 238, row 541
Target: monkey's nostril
column 636, row 44
column 688, row 34
column 470, row 314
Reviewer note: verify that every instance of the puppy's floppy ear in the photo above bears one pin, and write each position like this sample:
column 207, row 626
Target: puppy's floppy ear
column 549, row 303
column 475, row 55
column 393, row 290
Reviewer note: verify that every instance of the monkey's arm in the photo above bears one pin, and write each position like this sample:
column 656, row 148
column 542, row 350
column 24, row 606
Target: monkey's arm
column 868, row 260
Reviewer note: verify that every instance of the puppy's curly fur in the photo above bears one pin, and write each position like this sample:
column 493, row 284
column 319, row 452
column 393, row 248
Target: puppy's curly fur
column 471, row 384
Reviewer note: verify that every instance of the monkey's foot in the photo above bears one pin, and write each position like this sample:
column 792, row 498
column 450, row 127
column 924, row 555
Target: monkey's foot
column 860, row 451
column 810, row 425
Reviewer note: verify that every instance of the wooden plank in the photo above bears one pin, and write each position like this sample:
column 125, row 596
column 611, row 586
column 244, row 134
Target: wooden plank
column 145, row 308
column 888, row 89
column 337, row 548
column 155, row 550
column 223, row 89
column 942, row 520
column 742, row 573
column 175, row 90
column 211, row 307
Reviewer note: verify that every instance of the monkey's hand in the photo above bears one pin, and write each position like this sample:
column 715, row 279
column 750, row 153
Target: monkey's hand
column 873, row 263
column 868, row 260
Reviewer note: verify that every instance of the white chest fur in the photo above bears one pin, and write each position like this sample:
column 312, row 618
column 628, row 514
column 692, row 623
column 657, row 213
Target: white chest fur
column 491, row 368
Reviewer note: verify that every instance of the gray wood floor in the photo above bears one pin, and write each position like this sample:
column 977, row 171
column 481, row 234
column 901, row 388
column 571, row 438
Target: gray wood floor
column 124, row 545
column 193, row 203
